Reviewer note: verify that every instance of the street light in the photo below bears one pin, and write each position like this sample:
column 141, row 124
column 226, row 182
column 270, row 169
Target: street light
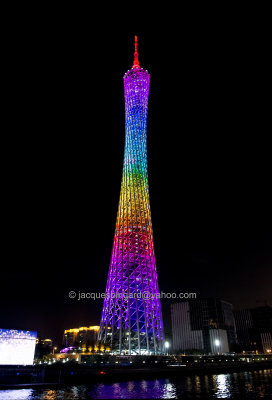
column 217, row 344
column 166, row 345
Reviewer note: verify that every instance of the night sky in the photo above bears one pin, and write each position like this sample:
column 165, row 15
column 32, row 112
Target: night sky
column 209, row 167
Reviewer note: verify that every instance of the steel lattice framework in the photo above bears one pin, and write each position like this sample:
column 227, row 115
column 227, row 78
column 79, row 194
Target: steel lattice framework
column 131, row 320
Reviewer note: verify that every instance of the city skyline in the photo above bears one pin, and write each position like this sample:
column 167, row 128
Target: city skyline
column 209, row 193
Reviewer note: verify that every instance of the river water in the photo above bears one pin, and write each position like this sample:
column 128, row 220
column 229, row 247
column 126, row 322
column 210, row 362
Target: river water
column 241, row 385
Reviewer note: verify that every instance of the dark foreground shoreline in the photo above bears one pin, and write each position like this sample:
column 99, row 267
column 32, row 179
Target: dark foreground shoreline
column 54, row 376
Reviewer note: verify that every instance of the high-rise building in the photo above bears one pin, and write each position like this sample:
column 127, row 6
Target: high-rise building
column 203, row 324
column 82, row 338
column 131, row 320
column 254, row 329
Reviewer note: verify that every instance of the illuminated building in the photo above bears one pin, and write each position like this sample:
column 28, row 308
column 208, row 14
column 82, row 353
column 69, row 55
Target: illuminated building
column 83, row 338
column 131, row 320
column 205, row 325
column 17, row 347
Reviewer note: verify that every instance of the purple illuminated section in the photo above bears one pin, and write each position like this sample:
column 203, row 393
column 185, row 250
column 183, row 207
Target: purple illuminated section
column 67, row 349
column 131, row 319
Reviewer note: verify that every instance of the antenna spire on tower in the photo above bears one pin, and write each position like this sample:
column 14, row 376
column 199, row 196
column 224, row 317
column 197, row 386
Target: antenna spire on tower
column 136, row 55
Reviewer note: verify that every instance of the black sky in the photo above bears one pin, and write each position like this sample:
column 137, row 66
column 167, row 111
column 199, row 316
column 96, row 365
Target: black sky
column 209, row 166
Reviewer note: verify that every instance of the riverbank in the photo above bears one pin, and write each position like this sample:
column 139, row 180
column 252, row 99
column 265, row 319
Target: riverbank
column 12, row 377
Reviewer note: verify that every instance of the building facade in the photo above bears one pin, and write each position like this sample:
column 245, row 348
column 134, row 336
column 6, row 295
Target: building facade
column 17, row 347
column 254, row 329
column 43, row 347
column 131, row 321
column 83, row 338
column 204, row 325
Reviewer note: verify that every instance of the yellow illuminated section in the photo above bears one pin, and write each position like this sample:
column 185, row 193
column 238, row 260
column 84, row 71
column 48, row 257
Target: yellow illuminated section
column 83, row 328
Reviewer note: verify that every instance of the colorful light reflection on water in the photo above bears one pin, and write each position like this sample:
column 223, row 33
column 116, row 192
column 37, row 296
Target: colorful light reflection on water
column 251, row 385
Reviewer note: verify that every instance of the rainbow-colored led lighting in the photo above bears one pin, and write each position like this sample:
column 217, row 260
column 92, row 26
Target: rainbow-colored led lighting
column 131, row 320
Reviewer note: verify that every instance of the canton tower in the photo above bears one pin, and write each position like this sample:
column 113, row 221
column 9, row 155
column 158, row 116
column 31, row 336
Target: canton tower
column 131, row 320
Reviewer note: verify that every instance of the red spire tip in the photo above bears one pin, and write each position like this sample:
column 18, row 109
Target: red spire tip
column 136, row 55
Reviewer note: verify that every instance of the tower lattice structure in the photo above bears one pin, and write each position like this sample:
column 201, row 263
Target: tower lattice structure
column 131, row 320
